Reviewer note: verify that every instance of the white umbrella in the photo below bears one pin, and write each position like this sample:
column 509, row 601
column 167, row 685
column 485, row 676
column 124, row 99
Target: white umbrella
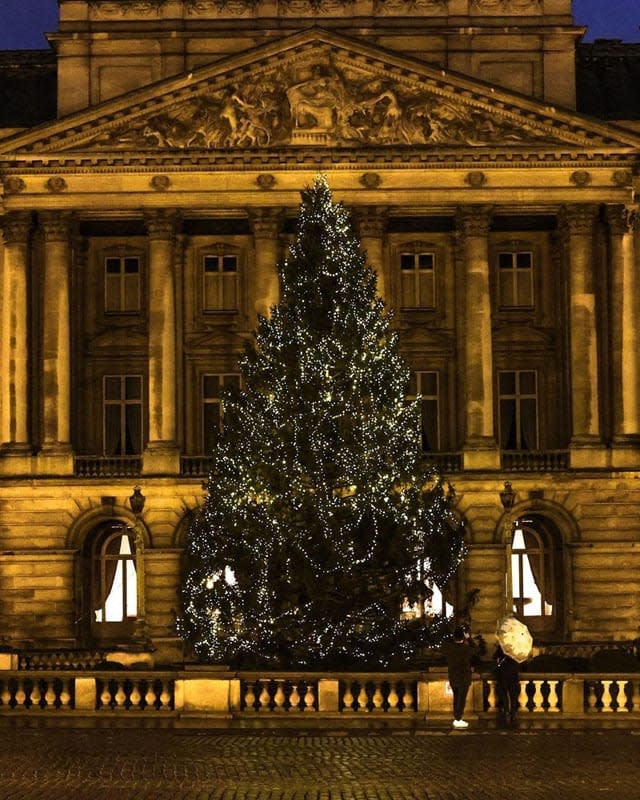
column 514, row 638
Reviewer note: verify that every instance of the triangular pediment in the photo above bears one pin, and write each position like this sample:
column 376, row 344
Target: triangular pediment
column 317, row 89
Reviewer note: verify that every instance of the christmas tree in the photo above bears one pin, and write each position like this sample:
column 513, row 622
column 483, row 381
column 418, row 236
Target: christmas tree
column 319, row 524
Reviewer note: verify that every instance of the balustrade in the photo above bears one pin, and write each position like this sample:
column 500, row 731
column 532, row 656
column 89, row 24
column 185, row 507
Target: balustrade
column 409, row 698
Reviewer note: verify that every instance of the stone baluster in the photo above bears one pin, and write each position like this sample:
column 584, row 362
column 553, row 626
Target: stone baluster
column 294, row 698
column 392, row 699
column 347, row 699
column 523, row 697
column 553, row 699
column 492, row 698
column 407, row 698
column 165, row 698
column 14, row 349
column 161, row 454
column 279, row 696
column 586, row 442
column 249, row 698
column 480, row 449
column 262, row 275
column 538, row 696
column 371, row 222
column 309, row 698
column 625, row 353
column 362, row 700
column 264, row 698
column 377, row 699
column 607, row 698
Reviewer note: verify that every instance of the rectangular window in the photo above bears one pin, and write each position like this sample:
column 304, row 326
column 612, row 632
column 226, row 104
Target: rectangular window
column 426, row 386
column 417, row 276
column 121, row 284
column 122, row 415
column 220, row 282
column 518, row 399
column 515, row 280
column 213, row 387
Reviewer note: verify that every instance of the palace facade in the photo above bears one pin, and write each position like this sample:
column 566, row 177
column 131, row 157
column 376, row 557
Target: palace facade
column 142, row 222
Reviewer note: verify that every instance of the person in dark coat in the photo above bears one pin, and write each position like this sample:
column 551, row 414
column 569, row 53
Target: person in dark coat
column 460, row 654
column 507, row 672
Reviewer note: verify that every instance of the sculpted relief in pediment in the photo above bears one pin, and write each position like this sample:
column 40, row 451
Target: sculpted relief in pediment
column 317, row 103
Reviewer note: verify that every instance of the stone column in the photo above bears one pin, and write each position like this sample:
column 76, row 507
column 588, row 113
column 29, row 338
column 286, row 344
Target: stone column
column 56, row 344
column 262, row 280
column 625, row 390
column 480, row 450
column 14, row 350
column 586, row 443
column 161, row 454
column 371, row 222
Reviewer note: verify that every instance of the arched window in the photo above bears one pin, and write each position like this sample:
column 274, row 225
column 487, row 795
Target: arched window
column 111, row 582
column 536, row 575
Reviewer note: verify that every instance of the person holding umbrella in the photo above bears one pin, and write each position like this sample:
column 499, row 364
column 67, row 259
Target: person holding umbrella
column 460, row 655
column 507, row 672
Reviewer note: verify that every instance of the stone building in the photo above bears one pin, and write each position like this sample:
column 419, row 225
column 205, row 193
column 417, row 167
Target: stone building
column 142, row 222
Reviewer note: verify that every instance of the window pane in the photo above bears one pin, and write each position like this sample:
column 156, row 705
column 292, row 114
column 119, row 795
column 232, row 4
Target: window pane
column 429, row 427
column 506, row 279
column 133, row 389
column 413, row 384
column 407, row 289
column 426, row 298
column 211, row 423
column 525, row 290
column 131, row 266
column 505, row 260
column 229, row 292
column 133, row 433
column 112, row 266
column 507, row 383
column 229, row 264
column 523, row 261
column 112, row 387
column 211, row 263
column 528, row 382
column 429, row 383
column 407, row 261
column 425, row 261
column 211, row 386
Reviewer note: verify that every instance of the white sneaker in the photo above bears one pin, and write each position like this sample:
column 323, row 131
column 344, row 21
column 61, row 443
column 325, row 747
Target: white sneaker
column 460, row 723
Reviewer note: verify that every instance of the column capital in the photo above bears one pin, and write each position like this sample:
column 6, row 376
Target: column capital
column 371, row 220
column 266, row 223
column 16, row 226
column 162, row 223
column 55, row 225
column 621, row 219
column 474, row 220
column 578, row 218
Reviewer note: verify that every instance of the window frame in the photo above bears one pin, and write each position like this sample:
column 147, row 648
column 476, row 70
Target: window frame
column 416, row 375
column 515, row 250
column 420, row 275
column 121, row 255
column 205, row 401
column 518, row 398
column 124, row 423
column 220, row 251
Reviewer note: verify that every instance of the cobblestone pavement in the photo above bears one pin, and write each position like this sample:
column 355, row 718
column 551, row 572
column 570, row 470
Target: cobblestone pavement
column 110, row 764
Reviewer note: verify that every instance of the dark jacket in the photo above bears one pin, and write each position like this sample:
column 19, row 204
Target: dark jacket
column 460, row 657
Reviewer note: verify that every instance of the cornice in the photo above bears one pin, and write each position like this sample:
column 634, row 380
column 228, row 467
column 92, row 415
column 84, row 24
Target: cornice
column 90, row 130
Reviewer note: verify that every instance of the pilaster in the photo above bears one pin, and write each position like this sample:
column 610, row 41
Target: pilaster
column 624, row 345
column 14, row 350
column 262, row 275
column 55, row 455
column 371, row 222
column 161, row 455
column 587, row 449
column 480, row 450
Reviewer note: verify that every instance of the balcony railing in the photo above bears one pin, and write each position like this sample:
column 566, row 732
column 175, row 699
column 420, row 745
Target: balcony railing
column 444, row 463
column 107, row 466
column 195, row 466
column 535, row 460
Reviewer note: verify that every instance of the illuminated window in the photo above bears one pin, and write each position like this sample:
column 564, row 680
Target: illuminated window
column 122, row 415
column 434, row 602
column 114, row 580
column 518, row 403
column 417, row 277
column 121, row 284
column 515, row 280
column 426, row 386
column 531, row 574
column 220, row 282
column 213, row 387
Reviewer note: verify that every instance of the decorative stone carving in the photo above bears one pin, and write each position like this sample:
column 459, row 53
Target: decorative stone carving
column 266, row 181
column 476, row 180
column 16, row 226
column 581, row 178
column 371, row 220
column 506, row 5
column 123, row 8
column 622, row 177
column 160, row 183
column 55, row 225
column 579, row 219
column 370, row 180
column 621, row 219
column 162, row 223
column 474, row 220
column 238, row 8
column 56, row 184
column 13, row 185
column 319, row 102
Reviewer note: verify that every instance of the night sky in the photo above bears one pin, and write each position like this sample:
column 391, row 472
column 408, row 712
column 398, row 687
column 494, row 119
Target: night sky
column 23, row 22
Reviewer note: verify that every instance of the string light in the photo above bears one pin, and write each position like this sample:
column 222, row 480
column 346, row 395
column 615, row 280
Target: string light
column 317, row 512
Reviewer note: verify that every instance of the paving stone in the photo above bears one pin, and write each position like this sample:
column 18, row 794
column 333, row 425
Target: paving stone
column 59, row 764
